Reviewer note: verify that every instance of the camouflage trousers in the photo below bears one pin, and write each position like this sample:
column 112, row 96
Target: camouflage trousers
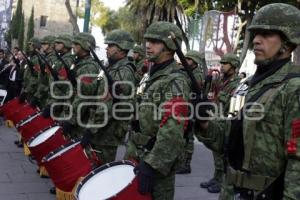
column 219, row 166
column 164, row 186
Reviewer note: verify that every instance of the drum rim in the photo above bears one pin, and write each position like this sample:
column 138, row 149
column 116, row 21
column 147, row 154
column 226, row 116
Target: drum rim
column 99, row 169
column 40, row 132
column 46, row 158
column 36, row 114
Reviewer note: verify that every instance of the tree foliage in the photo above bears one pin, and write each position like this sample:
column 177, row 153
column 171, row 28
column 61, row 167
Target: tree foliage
column 30, row 28
column 16, row 20
column 21, row 33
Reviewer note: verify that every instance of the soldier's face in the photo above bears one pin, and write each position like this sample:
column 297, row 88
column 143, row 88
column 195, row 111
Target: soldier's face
column 154, row 50
column 266, row 45
column 112, row 52
column 45, row 47
column 77, row 49
column 59, row 46
column 225, row 68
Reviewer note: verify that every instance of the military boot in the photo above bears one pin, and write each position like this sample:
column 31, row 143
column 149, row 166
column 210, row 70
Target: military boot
column 52, row 190
column 186, row 168
column 214, row 188
column 208, row 183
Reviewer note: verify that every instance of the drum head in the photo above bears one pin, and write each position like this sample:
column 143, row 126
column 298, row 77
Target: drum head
column 43, row 136
column 105, row 183
column 61, row 151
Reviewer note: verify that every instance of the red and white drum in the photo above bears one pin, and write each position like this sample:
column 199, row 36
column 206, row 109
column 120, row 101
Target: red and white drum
column 10, row 107
column 46, row 141
column 23, row 113
column 113, row 181
column 33, row 125
column 66, row 165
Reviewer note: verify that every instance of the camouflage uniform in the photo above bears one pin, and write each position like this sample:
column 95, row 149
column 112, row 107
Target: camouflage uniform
column 85, row 71
column 263, row 155
column 106, row 139
column 227, row 88
column 43, row 77
column 139, row 63
column 160, row 141
column 189, row 147
column 30, row 82
column 61, row 89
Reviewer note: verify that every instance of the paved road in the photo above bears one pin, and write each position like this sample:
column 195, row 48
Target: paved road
column 19, row 180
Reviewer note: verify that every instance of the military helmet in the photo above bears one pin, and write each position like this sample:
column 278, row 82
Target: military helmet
column 35, row 42
column 120, row 38
column 231, row 59
column 161, row 31
column 49, row 39
column 195, row 56
column 85, row 40
column 139, row 49
column 278, row 17
column 65, row 39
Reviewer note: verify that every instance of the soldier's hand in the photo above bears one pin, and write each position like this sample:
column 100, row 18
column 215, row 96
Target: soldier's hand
column 46, row 112
column 86, row 139
column 145, row 174
column 33, row 102
column 67, row 127
column 22, row 97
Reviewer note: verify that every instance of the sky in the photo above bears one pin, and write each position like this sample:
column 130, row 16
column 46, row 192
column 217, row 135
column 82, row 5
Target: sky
column 114, row 4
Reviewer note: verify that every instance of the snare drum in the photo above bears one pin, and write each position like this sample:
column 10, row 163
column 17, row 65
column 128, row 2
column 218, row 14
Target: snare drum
column 10, row 107
column 66, row 165
column 23, row 113
column 46, row 141
column 32, row 125
column 113, row 181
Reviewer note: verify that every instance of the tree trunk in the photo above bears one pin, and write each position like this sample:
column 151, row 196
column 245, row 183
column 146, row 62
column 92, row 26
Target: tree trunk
column 73, row 18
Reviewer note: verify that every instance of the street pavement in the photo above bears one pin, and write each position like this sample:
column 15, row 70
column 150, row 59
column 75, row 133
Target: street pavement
column 19, row 180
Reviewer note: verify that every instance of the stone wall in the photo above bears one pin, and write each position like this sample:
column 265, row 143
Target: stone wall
column 54, row 10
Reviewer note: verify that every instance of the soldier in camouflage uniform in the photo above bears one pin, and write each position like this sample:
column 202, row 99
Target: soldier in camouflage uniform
column 194, row 59
column 41, row 95
column 159, row 145
column 107, row 138
column 63, row 46
column 230, row 64
column 30, row 82
column 83, row 78
column 262, row 146
column 139, row 59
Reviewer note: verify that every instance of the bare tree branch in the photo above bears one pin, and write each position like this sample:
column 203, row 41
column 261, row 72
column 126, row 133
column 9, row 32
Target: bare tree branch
column 73, row 18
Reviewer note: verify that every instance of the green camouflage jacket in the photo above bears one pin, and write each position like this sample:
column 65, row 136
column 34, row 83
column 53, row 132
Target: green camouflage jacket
column 43, row 82
column 268, row 141
column 139, row 66
column 166, row 86
column 113, row 132
column 60, row 89
column 86, row 71
column 226, row 91
column 30, row 83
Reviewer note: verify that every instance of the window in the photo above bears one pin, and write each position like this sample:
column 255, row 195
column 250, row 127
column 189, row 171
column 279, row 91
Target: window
column 43, row 21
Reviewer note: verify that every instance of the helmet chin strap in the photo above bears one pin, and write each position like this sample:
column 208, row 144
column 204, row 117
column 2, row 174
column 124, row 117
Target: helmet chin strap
column 268, row 61
column 154, row 58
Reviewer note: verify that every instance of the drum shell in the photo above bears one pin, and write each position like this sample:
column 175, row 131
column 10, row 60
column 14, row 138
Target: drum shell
column 10, row 107
column 56, row 140
column 66, row 169
column 129, row 192
column 23, row 113
column 34, row 126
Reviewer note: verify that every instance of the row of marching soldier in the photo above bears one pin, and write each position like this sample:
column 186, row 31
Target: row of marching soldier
column 152, row 98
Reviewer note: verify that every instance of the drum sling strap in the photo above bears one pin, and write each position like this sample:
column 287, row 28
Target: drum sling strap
column 270, row 186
